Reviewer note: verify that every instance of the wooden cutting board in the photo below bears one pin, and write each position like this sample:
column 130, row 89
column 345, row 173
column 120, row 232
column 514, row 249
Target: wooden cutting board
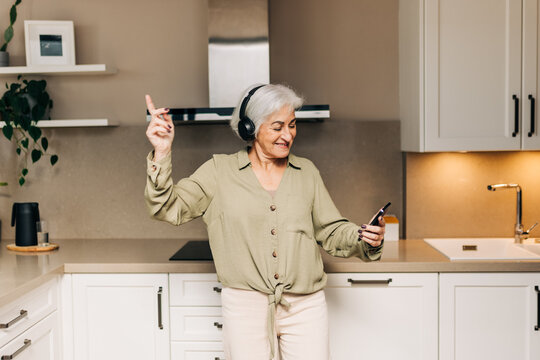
column 35, row 248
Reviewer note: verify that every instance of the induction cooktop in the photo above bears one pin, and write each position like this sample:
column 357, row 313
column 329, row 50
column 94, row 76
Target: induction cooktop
column 194, row 250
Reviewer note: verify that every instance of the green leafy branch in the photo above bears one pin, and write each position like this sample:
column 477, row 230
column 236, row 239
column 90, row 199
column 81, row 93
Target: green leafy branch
column 21, row 107
column 8, row 34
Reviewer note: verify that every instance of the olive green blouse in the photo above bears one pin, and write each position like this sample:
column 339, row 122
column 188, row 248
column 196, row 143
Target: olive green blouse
column 259, row 241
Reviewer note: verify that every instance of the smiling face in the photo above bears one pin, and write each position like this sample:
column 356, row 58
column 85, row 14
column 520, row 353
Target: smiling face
column 277, row 133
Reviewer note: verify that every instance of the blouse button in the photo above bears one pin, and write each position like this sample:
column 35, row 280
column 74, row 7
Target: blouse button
column 273, row 231
column 276, row 276
column 274, row 254
column 273, row 207
column 154, row 168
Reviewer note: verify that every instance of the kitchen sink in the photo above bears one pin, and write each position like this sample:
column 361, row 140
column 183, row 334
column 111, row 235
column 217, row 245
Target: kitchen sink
column 485, row 249
column 532, row 245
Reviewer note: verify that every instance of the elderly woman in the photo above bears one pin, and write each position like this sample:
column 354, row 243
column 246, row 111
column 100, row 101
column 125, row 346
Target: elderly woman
column 267, row 211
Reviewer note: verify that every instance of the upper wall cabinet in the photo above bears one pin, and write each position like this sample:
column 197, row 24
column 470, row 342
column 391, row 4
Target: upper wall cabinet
column 468, row 75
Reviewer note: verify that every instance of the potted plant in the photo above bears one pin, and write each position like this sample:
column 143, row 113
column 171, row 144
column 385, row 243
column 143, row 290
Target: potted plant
column 8, row 34
column 21, row 107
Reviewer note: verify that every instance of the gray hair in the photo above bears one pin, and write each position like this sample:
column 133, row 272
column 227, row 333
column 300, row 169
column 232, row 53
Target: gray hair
column 264, row 102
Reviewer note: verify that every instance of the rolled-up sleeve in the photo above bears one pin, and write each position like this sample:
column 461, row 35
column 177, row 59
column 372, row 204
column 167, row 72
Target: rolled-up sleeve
column 337, row 235
column 183, row 202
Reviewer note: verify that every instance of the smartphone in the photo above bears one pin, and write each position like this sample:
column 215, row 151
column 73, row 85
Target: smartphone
column 375, row 219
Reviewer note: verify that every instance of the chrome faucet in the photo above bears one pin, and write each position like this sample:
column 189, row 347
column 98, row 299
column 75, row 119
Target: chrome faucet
column 519, row 234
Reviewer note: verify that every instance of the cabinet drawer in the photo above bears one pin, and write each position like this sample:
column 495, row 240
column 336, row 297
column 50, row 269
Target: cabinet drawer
column 39, row 342
column 402, row 306
column 196, row 323
column 194, row 290
column 380, row 279
column 27, row 310
column 197, row 350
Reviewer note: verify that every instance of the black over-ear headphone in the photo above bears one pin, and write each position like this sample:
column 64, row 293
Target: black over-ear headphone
column 246, row 127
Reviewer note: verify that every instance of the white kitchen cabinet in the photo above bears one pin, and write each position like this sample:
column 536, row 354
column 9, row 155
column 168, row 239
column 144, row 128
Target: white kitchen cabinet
column 196, row 322
column 489, row 316
column 40, row 342
column 120, row 316
column 29, row 326
column 383, row 316
column 27, row 310
column 468, row 74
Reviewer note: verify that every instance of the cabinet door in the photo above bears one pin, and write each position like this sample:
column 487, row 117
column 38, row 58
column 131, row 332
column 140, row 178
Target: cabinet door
column 472, row 72
column 489, row 316
column 120, row 316
column 531, row 77
column 386, row 320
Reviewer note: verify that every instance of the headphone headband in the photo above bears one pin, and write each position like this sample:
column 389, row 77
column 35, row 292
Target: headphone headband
column 242, row 113
column 246, row 127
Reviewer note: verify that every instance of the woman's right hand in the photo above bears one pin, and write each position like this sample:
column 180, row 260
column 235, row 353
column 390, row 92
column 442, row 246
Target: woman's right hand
column 160, row 131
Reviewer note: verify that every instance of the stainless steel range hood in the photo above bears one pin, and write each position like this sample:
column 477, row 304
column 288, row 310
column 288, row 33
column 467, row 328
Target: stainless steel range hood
column 238, row 48
column 238, row 56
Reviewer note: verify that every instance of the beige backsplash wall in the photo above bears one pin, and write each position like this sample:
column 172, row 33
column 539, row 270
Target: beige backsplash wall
column 96, row 191
column 447, row 194
column 339, row 52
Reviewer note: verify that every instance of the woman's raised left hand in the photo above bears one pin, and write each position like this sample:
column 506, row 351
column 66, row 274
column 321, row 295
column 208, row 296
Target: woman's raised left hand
column 371, row 234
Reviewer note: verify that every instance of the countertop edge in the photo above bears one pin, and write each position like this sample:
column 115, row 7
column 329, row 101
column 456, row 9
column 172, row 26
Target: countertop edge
column 82, row 257
column 30, row 285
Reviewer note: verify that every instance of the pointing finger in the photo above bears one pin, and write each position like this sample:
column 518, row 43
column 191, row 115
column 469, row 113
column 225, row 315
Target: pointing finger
column 150, row 104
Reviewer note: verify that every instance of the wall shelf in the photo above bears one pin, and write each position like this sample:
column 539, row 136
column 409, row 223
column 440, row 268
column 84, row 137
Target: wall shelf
column 72, row 123
column 93, row 69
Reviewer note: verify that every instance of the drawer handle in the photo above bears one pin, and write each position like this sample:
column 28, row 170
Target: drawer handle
column 218, row 358
column 218, row 325
column 159, row 293
column 537, row 326
column 370, row 282
column 217, row 289
column 23, row 313
column 27, row 343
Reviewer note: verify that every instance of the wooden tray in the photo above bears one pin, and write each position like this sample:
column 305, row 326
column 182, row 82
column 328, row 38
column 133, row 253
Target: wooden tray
column 35, row 248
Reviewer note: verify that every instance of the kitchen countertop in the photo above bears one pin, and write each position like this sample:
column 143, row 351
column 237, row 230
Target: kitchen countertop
column 21, row 272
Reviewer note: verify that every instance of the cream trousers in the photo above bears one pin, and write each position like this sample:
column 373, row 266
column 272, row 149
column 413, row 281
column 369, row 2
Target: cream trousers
column 301, row 330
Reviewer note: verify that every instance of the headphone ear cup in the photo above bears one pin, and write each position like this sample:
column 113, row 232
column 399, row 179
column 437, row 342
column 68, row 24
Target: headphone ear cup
column 246, row 129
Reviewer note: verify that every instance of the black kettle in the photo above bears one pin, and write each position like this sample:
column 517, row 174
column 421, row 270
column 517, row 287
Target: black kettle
column 25, row 215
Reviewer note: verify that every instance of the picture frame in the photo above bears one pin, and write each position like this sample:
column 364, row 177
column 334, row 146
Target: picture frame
column 49, row 43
